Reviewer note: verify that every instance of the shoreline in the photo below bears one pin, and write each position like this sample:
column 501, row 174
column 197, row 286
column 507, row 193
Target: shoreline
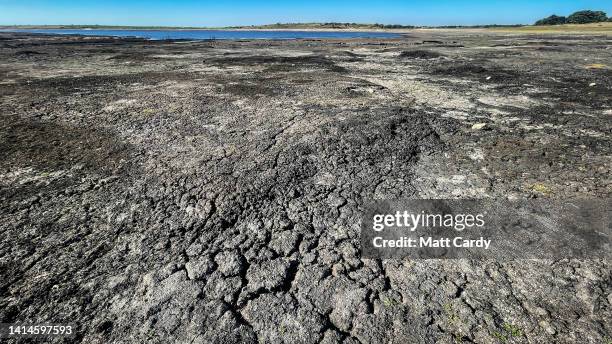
column 7, row 29
column 93, row 34
column 571, row 29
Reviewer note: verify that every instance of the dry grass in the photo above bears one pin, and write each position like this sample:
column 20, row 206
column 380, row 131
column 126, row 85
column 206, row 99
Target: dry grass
column 598, row 28
column 596, row 66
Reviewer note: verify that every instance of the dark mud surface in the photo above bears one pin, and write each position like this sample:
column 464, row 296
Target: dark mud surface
column 210, row 192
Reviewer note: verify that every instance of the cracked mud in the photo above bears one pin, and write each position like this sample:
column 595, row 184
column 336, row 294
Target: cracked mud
column 210, row 192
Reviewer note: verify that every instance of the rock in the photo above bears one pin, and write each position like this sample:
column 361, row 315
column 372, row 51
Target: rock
column 223, row 288
column 164, row 296
column 216, row 322
column 346, row 304
column 194, row 249
column 338, row 269
column 317, row 285
column 268, row 275
column 351, row 340
column 479, row 126
column 547, row 327
column 230, row 263
column 309, row 258
column 279, row 319
column 331, row 337
column 198, row 267
column 348, row 250
column 336, row 201
column 284, row 243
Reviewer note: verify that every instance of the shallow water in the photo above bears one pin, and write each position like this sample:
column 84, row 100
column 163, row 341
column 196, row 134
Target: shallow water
column 214, row 34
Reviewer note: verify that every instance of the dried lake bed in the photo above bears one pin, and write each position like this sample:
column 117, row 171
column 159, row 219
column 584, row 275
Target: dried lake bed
column 209, row 191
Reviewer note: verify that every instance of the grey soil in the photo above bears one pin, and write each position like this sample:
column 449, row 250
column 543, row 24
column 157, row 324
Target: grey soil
column 210, row 192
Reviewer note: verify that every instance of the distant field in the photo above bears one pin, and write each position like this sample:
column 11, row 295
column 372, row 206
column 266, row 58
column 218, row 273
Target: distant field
column 605, row 28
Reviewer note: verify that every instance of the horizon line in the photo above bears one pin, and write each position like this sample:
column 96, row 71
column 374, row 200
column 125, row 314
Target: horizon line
column 380, row 25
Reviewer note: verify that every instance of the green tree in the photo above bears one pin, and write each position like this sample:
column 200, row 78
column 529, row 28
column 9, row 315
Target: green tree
column 583, row 17
column 552, row 20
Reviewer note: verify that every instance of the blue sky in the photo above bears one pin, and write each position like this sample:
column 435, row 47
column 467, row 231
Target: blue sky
column 222, row 13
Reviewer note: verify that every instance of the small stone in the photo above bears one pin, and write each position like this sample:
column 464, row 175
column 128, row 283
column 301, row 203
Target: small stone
column 449, row 288
column 284, row 242
column 276, row 319
column 223, row 288
column 230, row 263
column 199, row 267
column 348, row 250
column 268, row 275
column 309, row 258
column 330, row 337
column 306, row 245
column 338, row 269
column 547, row 327
column 336, row 201
column 479, row 126
column 195, row 249
column 592, row 84
column 345, row 307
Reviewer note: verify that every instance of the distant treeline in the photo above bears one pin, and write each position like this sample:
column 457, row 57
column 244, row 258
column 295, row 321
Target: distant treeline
column 580, row 17
column 376, row 25
column 331, row 25
column 334, row 25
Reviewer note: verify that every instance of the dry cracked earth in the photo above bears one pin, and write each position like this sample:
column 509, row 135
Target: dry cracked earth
column 211, row 192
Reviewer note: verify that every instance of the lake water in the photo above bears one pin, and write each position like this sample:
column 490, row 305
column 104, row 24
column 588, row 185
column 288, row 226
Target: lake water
column 214, row 34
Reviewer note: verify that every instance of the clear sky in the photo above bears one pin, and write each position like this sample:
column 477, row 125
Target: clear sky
column 239, row 12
